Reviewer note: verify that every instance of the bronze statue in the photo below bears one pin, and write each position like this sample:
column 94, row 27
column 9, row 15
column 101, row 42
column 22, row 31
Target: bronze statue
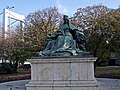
column 68, row 41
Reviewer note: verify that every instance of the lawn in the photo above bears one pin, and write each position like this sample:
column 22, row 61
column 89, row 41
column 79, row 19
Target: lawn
column 108, row 72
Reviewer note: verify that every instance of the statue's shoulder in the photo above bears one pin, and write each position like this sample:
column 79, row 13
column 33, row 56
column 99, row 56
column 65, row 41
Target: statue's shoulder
column 72, row 27
column 64, row 26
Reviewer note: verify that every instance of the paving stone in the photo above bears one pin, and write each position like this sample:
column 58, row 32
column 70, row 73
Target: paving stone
column 105, row 84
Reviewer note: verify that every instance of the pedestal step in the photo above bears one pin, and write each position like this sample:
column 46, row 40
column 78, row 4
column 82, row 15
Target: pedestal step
column 63, row 85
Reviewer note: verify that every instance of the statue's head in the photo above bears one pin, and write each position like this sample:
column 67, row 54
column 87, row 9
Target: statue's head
column 65, row 18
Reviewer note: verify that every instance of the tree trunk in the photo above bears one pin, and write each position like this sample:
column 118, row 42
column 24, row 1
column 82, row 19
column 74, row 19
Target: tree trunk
column 16, row 66
column 95, row 51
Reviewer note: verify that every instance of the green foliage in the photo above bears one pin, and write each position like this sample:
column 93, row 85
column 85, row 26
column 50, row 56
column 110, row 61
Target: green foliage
column 25, row 67
column 19, row 45
column 102, row 26
column 6, row 68
column 115, row 44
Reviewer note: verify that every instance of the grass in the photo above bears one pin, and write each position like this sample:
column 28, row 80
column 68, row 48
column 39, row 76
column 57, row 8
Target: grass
column 108, row 72
column 24, row 71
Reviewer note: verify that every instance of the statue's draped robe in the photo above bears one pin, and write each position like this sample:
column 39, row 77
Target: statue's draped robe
column 65, row 44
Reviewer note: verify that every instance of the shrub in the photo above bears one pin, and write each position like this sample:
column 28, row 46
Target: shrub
column 6, row 68
column 25, row 66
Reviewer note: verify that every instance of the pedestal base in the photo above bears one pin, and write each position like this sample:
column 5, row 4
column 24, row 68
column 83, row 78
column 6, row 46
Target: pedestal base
column 62, row 74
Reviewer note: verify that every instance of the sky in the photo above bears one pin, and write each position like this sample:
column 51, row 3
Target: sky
column 25, row 7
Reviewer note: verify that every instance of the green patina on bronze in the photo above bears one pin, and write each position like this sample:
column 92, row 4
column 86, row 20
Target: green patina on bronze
column 68, row 41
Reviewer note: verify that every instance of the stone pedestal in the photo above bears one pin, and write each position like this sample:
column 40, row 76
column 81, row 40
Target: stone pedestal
column 73, row 73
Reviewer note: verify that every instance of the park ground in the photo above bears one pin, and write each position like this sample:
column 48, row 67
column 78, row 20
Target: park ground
column 105, row 84
column 108, row 78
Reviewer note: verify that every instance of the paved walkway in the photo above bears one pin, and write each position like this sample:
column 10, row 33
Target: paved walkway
column 105, row 84
column 109, row 84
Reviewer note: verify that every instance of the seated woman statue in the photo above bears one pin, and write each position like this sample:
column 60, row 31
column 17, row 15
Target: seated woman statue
column 62, row 42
